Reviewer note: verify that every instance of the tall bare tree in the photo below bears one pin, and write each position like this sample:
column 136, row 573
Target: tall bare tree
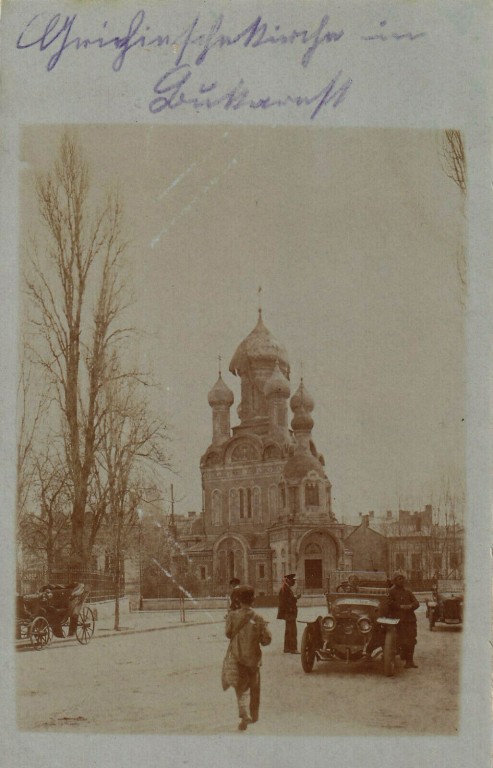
column 78, row 299
column 133, row 447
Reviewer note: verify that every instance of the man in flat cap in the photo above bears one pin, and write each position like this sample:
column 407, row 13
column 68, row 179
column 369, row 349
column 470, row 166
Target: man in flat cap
column 402, row 604
column 288, row 610
column 247, row 631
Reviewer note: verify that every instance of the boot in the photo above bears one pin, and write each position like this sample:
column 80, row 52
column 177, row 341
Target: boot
column 410, row 662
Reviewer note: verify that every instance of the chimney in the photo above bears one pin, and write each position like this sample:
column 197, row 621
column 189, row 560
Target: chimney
column 364, row 521
column 371, row 515
column 389, row 514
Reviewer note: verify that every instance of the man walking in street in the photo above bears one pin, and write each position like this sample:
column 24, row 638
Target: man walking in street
column 288, row 610
column 247, row 631
column 402, row 605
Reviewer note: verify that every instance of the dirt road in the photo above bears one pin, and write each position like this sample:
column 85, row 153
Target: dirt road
column 168, row 682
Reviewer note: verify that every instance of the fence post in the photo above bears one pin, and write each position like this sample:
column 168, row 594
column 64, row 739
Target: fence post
column 182, row 609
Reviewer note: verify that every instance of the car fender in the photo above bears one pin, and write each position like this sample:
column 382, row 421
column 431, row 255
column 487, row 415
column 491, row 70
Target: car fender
column 387, row 621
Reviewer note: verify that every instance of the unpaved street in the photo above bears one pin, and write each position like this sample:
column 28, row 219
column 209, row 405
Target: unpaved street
column 168, row 681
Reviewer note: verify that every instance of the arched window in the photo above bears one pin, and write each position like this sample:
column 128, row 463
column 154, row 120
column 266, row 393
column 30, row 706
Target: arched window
column 234, row 504
column 217, row 511
column 231, row 564
column 273, row 502
column 282, row 495
column 257, row 506
column 311, row 495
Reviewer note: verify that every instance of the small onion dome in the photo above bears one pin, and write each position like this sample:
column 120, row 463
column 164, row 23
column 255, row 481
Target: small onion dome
column 298, row 466
column 302, row 422
column 302, row 399
column 259, row 346
column 277, row 384
column 220, row 394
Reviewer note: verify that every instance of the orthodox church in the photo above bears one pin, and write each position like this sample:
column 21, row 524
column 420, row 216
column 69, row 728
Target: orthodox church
column 266, row 498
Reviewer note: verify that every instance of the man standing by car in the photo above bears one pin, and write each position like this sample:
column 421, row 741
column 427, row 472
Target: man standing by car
column 402, row 604
column 288, row 610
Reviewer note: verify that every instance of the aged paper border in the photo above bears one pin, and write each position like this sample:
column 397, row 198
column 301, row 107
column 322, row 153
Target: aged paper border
column 418, row 107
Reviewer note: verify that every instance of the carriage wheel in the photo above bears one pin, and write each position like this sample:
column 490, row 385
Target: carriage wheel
column 39, row 633
column 85, row 625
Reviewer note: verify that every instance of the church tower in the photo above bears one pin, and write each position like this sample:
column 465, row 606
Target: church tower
column 266, row 498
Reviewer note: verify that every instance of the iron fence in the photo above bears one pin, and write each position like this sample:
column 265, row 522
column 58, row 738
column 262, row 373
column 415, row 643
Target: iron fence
column 101, row 586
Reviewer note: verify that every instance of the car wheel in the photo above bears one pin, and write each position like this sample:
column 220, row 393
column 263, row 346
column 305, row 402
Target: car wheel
column 307, row 651
column 389, row 653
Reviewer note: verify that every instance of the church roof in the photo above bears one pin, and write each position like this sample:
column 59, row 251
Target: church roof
column 260, row 345
column 298, row 466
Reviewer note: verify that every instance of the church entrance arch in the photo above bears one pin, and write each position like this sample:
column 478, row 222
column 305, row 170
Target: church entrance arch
column 317, row 557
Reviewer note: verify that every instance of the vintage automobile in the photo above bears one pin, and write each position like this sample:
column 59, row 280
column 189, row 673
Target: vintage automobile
column 446, row 604
column 356, row 628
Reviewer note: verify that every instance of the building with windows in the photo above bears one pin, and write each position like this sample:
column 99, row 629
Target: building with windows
column 267, row 505
column 413, row 542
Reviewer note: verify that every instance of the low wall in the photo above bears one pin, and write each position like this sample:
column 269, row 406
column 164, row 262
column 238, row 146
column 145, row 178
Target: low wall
column 106, row 608
column 211, row 603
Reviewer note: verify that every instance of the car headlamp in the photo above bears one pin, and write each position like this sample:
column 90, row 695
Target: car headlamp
column 364, row 625
column 329, row 623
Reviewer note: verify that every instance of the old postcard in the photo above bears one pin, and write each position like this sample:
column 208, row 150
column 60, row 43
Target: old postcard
column 246, row 346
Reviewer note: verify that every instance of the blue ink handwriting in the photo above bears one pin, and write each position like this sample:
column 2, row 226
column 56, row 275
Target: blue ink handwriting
column 394, row 35
column 188, row 49
column 57, row 35
column 172, row 94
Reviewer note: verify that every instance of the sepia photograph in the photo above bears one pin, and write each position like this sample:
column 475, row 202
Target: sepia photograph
column 241, row 500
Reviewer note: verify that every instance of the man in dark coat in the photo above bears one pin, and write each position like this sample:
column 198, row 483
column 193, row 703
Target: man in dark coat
column 288, row 610
column 247, row 632
column 402, row 604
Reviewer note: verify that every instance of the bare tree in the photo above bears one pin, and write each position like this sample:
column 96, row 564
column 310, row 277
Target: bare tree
column 31, row 407
column 45, row 525
column 133, row 446
column 78, row 300
column 453, row 158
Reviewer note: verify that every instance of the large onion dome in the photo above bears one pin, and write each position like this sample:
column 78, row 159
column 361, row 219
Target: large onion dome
column 277, row 384
column 260, row 346
column 220, row 394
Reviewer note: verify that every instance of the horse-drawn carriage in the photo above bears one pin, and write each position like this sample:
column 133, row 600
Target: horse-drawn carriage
column 55, row 610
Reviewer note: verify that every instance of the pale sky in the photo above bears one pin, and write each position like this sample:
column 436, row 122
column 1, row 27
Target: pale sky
column 353, row 236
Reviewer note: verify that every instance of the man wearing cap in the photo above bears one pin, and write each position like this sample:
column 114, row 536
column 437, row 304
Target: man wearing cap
column 247, row 631
column 234, row 602
column 402, row 604
column 288, row 610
